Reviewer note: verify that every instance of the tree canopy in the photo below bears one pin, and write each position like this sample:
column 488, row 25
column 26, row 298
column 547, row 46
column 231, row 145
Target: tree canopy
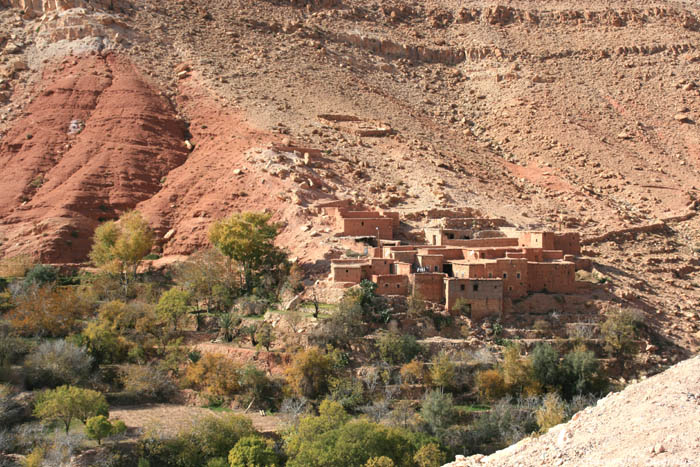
column 66, row 403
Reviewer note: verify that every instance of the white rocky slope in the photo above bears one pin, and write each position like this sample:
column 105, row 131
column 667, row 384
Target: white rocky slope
column 654, row 422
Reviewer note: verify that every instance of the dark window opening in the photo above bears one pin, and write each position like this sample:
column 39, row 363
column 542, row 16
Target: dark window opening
column 461, row 287
column 398, row 286
column 436, row 269
column 347, row 271
column 362, row 223
column 451, row 236
column 517, row 275
column 505, row 275
column 476, row 287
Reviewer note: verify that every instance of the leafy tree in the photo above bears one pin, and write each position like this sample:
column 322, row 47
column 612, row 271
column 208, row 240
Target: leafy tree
column 173, row 305
column 620, row 331
column 344, row 325
column 429, row 455
column 218, row 435
column 551, row 413
column 48, row 311
column 214, row 374
column 105, row 345
column 332, row 438
column 581, row 373
column 491, row 385
column 413, row 372
column 443, row 371
column 210, row 277
column 56, row 363
column 257, row 389
column 66, row 403
column 119, row 247
column 265, row 335
column 517, row 372
column 545, row 366
column 99, row 427
column 381, row 461
column 309, row 373
column 438, row 411
column 395, row 348
column 248, row 238
column 253, row 451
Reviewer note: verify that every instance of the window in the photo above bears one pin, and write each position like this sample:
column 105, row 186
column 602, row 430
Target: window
column 476, row 287
column 505, row 275
column 436, row 269
column 461, row 287
column 398, row 286
column 517, row 274
column 434, row 240
column 347, row 271
column 451, row 236
column 386, row 285
column 490, row 275
column 510, row 288
column 362, row 223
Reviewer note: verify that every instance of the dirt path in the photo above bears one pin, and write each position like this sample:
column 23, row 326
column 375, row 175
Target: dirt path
column 171, row 418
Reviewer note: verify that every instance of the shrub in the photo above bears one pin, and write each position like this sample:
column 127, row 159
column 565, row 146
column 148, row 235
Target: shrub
column 396, row 349
column 620, row 331
column 413, row 372
column 41, row 274
column 429, row 455
column 491, row 385
column 99, row 427
column 443, row 371
column 348, row 391
column 381, row 461
column 517, row 373
column 148, row 381
column 545, row 366
column 211, row 278
column 16, row 266
column 173, row 305
column 503, row 425
column 416, row 306
column 551, row 413
column 581, row 373
column 332, row 438
column 67, row 403
column 46, row 311
column 265, row 335
column 213, row 374
column 105, row 345
column 217, row 435
column 309, row 373
column 55, row 363
column 344, row 325
column 258, row 389
column 438, row 411
column 253, row 451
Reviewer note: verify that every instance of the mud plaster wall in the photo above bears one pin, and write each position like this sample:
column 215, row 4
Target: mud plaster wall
column 391, row 284
column 429, row 286
column 552, row 277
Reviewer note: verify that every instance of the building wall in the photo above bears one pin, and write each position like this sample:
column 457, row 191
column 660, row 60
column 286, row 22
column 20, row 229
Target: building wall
column 429, row 286
column 391, row 284
column 379, row 266
column 485, row 296
column 368, row 227
column 569, row 243
column 513, row 273
column 556, row 277
column 346, row 273
column 484, row 242
column 544, row 240
column 403, row 269
column 433, row 263
column 405, row 256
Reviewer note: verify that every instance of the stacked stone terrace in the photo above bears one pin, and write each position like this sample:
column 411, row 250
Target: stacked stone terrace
column 481, row 262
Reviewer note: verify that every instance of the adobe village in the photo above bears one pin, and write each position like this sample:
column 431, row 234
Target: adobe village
column 349, row 233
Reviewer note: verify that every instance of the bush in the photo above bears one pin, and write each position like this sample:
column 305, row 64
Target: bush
column 545, row 366
column 99, row 427
column 56, row 363
column 46, row 311
column 309, row 373
column 344, row 325
column 348, row 391
column 620, row 332
column 148, row 381
column 41, row 274
column 413, row 372
column 443, row 371
column 503, row 425
column 253, row 451
column 211, row 278
column 381, row 461
column 396, row 349
column 491, row 385
column 581, row 373
column 212, row 437
column 216, row 375
column 517, row 373
column 173, row 305
column 552, row 412
column 105, row 345
column 258, row 389
column 332, row 438
column 429, row 455
column 438, row 411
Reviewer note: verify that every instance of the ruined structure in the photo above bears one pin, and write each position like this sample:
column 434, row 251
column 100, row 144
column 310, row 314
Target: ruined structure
column 471, row 265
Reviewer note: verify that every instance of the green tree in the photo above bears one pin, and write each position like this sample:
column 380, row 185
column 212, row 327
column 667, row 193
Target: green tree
column 265, row 335
column 443, row 371
column 429, row 455
column 119, row 247
column 173, row 305
column 545, row 366
column 581, row 373
column 248, row 238
column 309, row 373
column 395, row 348
column 517, row 372
column 66, row 403
column 253, row 451
column 99, row 427
column 620, row 331
column 381, row 461
column 211, row 277
column 438, row 411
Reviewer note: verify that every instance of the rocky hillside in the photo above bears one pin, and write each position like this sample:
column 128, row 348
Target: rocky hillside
column 654, row 422
column 563, row 115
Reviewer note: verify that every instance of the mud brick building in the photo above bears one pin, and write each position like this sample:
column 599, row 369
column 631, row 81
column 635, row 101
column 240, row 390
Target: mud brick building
column 474, row 263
